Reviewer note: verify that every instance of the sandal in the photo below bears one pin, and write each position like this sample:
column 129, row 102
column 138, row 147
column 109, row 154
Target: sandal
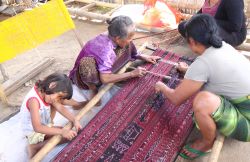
column 194, row 151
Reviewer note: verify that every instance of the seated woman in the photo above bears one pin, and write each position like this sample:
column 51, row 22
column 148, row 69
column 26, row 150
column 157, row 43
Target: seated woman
column 98, row 60
column 219, row 78
column 229, row 16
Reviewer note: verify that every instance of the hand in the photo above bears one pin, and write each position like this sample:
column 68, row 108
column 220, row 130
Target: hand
column 159, row 86
column 77, row 125
column 152, row 59
column 138, row 72
column 182, row 66
column 68, row 134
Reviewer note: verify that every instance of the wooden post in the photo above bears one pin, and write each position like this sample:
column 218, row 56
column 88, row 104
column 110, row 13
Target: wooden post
column 214, row 156
column 56, row 139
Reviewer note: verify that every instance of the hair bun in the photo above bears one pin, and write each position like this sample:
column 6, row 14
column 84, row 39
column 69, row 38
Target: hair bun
column 215, row 41
column 108, row 21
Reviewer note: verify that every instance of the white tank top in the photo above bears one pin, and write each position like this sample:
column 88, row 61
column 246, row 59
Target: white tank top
column 44, row 111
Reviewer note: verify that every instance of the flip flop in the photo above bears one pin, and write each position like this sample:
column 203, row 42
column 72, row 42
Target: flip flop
column 193, row 151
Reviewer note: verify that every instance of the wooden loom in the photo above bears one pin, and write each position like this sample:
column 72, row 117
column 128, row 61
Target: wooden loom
column 136, row 124
column 56, row 139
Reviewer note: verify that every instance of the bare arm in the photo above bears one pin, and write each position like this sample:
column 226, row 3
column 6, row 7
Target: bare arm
column 35, row 118
column 186, row 89
column 113, row 78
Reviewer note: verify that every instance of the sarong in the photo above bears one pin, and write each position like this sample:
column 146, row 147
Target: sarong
column 232, row 118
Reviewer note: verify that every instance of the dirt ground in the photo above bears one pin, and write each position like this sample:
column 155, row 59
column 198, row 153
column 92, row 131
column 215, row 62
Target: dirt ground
column 65, row 50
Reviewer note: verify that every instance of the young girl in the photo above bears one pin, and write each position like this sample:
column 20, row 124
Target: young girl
column 39, row 108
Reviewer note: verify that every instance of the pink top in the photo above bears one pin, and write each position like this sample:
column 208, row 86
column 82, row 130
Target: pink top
column 211, row 10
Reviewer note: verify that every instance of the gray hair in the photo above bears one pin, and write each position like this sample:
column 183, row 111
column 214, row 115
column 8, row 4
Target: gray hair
column 120, row 26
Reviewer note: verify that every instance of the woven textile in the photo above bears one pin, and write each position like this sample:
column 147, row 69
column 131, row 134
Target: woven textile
column 136, row 124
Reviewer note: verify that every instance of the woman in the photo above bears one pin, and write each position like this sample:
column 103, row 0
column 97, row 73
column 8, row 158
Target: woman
column 219, row 78
column 98, row 60
column 229, row 16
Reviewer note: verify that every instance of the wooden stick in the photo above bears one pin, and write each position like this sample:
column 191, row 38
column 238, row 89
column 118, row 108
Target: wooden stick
column 214, row 156
column 151, row 35
column 155, row 74
column 78, row 38
column 56, row 139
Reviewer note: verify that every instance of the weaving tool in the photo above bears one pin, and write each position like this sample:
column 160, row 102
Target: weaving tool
column 155, row 74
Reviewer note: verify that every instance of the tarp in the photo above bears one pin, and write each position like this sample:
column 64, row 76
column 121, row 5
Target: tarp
column 31, row 28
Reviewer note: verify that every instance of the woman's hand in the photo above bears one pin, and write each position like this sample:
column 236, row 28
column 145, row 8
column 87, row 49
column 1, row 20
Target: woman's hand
column 68, row 134
column 151, row 59
column 159, row 86
column 138, row 72
column 182, row 66
column 77, row 125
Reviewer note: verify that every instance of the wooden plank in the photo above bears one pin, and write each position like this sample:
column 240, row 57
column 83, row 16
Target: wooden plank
column 98, row 3
column 56, row 139
column 218, row 143
column 87, row 14
column 26, row 74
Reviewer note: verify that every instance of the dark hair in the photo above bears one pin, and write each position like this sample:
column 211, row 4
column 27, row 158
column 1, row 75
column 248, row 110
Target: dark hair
column 62, row 84
column 119, row 26
column 203, row 29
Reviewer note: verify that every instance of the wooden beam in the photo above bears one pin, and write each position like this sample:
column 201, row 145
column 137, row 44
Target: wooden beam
column 26, row 74
column 98, row 3
column 218, row 143
column 88, row 6
column 56, row 139
column 87, row 14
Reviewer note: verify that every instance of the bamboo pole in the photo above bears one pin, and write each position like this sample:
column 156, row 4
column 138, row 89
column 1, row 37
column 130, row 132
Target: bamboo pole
column 56, row 139
column 214, row 156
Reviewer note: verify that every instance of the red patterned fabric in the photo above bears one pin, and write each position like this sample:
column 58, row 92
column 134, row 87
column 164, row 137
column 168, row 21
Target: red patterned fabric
column 136, row 124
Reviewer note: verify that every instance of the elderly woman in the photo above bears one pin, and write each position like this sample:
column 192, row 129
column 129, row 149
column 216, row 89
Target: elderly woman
column 99, row 60
column 229, row 16
column 219, row 78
